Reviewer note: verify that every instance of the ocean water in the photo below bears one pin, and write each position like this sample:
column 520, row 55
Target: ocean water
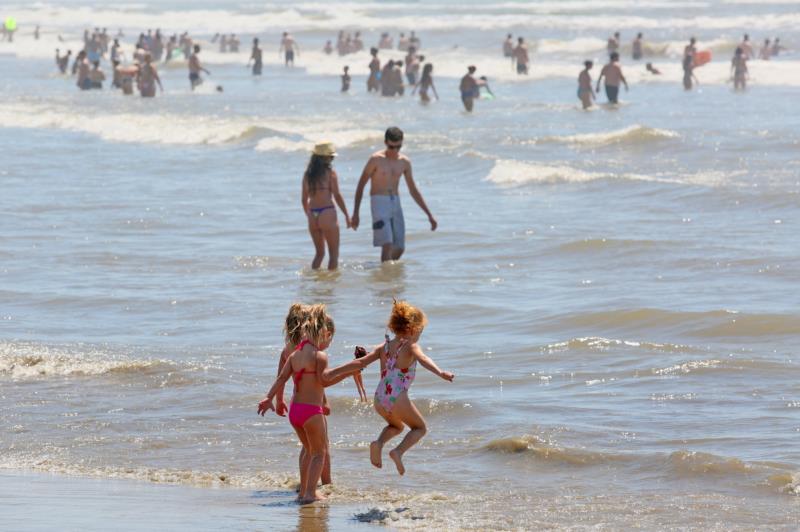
column 615, row 290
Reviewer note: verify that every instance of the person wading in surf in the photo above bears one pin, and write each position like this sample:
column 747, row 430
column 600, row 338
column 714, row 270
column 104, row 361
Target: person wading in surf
column 320, row 189
column 613, row 74
column 384, row 170
column 399, row 357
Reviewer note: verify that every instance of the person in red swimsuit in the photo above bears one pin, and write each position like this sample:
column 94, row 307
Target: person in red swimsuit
column 293, row 335
column 308, row 367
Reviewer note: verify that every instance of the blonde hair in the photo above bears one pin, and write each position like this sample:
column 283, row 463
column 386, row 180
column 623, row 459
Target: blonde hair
column 316, row 324
column 293, row 327
column 406, row 319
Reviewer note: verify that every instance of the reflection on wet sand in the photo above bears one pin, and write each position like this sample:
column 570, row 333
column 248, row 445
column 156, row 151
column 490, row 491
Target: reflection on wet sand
column 313, row 517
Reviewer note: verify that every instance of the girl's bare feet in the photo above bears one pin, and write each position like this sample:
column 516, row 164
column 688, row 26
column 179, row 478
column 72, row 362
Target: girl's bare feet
column 316, row 497
column 398, row 461
column 375, row 449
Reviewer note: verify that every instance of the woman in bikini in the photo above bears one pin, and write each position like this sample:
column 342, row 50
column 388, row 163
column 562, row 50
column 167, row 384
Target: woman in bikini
column 308, row 368
column 399, row 357
column 148, row 77
column 425, row 83
column 320, row 189
column 739, row 70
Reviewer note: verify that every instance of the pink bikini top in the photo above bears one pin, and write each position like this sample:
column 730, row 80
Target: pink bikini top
column 297, row 375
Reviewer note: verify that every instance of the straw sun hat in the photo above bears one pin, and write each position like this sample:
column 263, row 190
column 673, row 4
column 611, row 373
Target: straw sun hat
column 325, row 149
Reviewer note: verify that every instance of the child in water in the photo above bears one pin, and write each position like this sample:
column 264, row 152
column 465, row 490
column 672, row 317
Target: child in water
column 308, row 367
column 293, row 336
column 399, row 357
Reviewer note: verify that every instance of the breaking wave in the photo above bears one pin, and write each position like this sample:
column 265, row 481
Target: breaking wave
column 22, row 361
column 631, row 135
column 269, row 134
column 543, row 451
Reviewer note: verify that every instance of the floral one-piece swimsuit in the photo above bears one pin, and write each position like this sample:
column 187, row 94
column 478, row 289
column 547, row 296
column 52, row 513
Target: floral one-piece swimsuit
column 394, row 380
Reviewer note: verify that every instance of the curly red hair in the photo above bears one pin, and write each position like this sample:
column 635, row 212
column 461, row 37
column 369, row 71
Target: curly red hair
column 406, row 319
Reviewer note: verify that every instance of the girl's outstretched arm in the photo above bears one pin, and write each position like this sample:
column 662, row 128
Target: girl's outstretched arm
column 430, row 365
column 372, row 357
column 328, row 377
column 266, row 403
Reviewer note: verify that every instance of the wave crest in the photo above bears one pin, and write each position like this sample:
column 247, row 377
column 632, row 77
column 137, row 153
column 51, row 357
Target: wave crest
column 632, row 135
column 694, row 462
column 540, row 450
column 599, row 343
column 27, row 361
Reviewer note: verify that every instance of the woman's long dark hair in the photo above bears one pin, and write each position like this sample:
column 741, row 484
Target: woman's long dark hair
column 318, row 167
column 426, row 73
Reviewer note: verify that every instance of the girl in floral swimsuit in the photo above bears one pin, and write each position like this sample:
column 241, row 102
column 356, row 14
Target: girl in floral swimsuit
column 399, row 359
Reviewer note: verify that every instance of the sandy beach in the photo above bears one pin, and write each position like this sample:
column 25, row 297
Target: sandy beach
column 36, row 501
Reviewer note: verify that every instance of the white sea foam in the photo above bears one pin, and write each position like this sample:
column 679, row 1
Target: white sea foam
column 170, row 128
column 507, row 172
column 634, row 134
column 27, row 361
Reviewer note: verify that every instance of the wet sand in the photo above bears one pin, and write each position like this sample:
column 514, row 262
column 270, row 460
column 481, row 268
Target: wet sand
column 66, row 503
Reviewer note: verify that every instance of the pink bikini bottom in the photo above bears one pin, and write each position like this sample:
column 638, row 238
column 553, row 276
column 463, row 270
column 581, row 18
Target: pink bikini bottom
column 299, row 413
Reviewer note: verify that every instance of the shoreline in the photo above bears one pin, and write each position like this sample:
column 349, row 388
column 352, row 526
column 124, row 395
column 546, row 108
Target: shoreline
column 80, row 503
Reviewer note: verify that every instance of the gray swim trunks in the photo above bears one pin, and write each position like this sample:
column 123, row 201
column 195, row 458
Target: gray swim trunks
column 388, row 226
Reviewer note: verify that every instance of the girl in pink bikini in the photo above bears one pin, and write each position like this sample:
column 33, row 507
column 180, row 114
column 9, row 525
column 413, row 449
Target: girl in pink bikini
column 293, row 335
column 308, row 367
column 399, row 357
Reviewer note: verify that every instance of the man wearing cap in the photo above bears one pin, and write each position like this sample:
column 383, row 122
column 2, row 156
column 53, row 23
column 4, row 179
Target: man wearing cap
column 384, row 169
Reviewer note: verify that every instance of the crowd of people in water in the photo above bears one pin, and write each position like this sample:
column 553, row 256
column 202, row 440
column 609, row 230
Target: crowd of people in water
column 138, row 71
column 691, row 60
column 412, row 74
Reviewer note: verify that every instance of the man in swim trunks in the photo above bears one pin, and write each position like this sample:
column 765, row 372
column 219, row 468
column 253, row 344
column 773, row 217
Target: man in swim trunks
column 613, row 74
column 289, row 47
column 195, row 68
column 521, row 56
column 384, row 169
